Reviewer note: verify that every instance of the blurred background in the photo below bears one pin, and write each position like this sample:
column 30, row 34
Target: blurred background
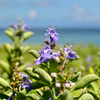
column 77, row 21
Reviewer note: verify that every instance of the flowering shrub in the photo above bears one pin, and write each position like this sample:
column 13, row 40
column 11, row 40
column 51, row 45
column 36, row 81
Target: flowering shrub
column 15, row 51
column 52, row 82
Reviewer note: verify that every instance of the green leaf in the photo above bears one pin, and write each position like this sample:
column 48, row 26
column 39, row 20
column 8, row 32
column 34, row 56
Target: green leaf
column 4, row 83
column 36, row 85
column 95, row 86
column 45, row 78
column 8, row 49
column 76, row 77
column 17, row 43
column 86, row 97
column 65, row 96
column 47, row 94
column 3, row 96
column 32, row 92
column 10, row 34
column 32, row 74
column 91, row 70
column 34, row 53
column 19, row 33
column 11, row 29
column 25, row 49
column 22, row 94
column 22, row 67
column 27, row 35
column 18, row 59
column 83, row 82
column 94, row 94
column 77, row 93
column 60, row 77
column 5, row 66
column 33, row 97
column 53, row 65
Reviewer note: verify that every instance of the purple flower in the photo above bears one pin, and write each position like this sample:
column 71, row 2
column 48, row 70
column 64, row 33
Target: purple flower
column 45, row 55
column 25, row 85
column 25, row 28
column 26, row 82
column 89, row 58
column 41, row 59
column 52, row 33
column 10, row 98
column 45, row 52
column 56, row 56
column 13, row 26
column 69, row 53
column 25, row 78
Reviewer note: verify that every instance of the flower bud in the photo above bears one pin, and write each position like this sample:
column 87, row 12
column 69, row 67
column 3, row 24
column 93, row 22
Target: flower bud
column 17, row 63
column 67, row 85
column 53, row 75
column 72, row 84
column 58, row 85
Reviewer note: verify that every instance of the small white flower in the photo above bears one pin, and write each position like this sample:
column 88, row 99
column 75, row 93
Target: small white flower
column 72, row 84
column 53, row 75
column 17, row 63
column 67, row 85
column 58, row 85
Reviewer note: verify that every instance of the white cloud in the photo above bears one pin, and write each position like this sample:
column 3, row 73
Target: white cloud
column 78, row 9
column 32, row 14
column 80, row 14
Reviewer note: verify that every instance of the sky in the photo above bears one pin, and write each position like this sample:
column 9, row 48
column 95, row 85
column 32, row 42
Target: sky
column 42, row 13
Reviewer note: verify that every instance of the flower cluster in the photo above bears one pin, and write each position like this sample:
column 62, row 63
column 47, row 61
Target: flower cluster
column 48, row 51
column 20, row 26
column 26, row 82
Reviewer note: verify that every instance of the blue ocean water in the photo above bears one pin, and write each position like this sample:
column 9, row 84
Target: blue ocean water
column 71, row 36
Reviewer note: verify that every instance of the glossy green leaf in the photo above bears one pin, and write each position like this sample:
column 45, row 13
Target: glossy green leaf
column 25, row 49
column 10, row 34
column 94, row 94
column 22, row 67
column 4, row 83
column 83, row 82
column 5, row 66
column 44, row 76
column 77, row 93
column 33, row 97
column 36, row 85
column 32, row 74
column 11, row 29
column 8, row 49
column 95, row 86
column 65, row 96
column 34, row 53
column 27, row 35
column 86, row 97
